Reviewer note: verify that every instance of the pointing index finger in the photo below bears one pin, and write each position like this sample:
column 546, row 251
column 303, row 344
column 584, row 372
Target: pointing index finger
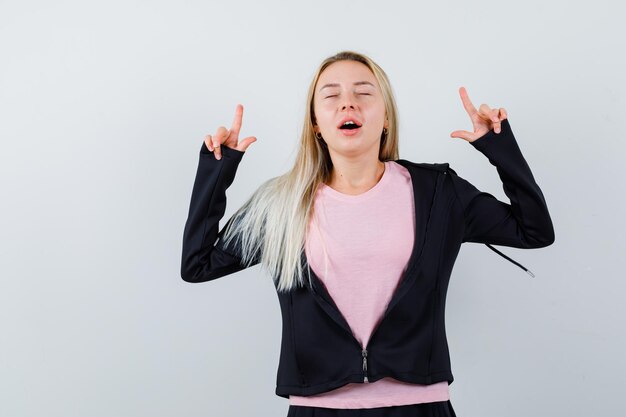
column 237, row 121
column 467, row 103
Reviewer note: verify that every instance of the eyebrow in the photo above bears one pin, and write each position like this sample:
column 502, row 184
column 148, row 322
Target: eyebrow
column 337, row 85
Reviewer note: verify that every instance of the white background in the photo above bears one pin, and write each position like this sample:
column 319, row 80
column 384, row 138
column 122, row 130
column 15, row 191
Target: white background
column 103, row 109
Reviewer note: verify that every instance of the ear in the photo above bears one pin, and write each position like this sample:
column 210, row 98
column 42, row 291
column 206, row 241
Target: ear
column 386, row 124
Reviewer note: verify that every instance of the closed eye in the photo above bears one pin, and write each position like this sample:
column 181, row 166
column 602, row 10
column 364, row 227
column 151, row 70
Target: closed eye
column 360, row 94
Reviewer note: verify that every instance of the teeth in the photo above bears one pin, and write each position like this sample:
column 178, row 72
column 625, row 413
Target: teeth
column 349, row 122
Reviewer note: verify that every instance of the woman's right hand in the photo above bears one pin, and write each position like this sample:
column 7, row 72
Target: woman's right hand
column 229, row 138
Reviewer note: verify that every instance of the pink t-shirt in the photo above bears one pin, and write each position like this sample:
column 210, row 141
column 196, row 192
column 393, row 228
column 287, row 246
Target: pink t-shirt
column 361, row 267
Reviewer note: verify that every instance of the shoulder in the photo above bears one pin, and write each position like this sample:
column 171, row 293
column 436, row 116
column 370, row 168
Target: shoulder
column 431, row 166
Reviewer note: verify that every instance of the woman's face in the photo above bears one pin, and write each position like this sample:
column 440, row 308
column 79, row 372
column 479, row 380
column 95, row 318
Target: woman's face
column 348, row 90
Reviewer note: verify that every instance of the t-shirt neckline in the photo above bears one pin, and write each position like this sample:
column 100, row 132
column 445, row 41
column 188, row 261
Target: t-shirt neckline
column 331, row 192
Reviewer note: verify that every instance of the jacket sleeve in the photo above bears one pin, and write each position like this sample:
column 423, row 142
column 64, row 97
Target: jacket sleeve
column 203, row 259
column 525, row 222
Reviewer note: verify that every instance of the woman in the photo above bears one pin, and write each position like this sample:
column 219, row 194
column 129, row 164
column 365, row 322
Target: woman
column 360, row 244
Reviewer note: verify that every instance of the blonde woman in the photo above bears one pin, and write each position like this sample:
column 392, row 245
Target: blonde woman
column 360, row 244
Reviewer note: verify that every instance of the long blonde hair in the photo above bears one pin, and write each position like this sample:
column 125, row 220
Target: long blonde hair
column 271, row 226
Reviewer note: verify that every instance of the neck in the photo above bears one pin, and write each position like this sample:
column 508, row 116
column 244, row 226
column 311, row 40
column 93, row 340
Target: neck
column 355, row 176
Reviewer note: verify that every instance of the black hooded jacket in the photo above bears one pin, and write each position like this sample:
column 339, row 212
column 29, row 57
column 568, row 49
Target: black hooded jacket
column 318, row 350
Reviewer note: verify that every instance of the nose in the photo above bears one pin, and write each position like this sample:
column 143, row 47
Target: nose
column 347, row 103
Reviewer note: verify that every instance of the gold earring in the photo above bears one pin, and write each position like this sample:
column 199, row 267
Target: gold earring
column 385, row 130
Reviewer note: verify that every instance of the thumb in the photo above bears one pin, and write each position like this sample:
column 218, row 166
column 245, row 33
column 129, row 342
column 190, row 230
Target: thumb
column 463, row 134
column 244, row 143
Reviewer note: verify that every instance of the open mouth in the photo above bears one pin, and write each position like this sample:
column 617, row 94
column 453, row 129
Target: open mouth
column 350, row 125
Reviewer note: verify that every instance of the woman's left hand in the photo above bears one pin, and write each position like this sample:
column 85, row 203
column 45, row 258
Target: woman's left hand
column 483, row 120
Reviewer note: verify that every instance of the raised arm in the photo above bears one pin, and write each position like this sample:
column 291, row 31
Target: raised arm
column 525, row 222
column 220, row 155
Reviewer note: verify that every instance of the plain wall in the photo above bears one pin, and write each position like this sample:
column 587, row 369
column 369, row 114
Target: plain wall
column 103, row 109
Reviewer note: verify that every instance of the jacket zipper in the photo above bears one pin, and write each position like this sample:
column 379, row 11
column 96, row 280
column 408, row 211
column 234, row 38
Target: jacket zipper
column 354, row 339
column 364, row 353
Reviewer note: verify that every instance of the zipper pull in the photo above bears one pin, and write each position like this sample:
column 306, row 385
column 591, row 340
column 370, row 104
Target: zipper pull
column 365, row 365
